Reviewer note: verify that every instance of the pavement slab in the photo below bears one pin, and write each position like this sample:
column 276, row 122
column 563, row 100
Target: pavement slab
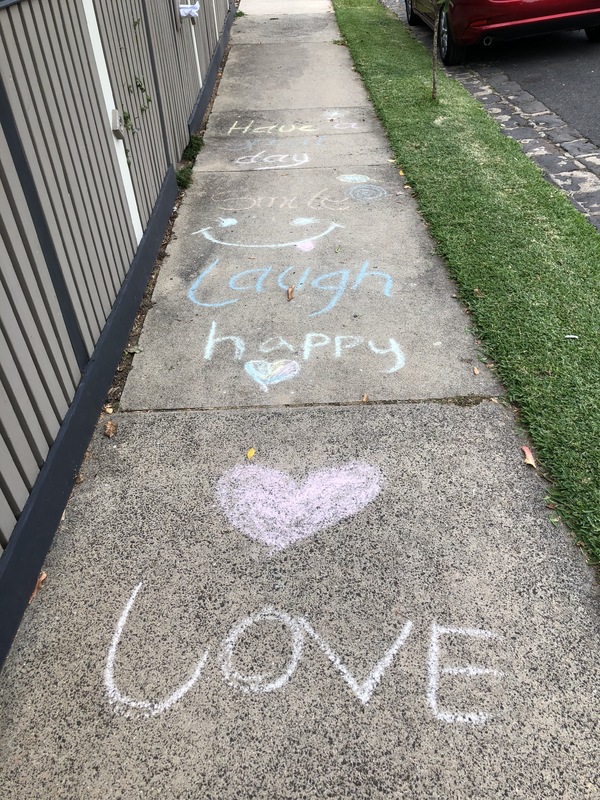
column 376, row 319
column 432, row 635
column 289, row 75
column 253, row 29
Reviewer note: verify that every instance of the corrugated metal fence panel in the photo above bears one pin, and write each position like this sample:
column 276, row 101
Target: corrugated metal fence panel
column 208, row 12
column 178, row 79
column 38, row 369
column 127, row 51
column 53, row 89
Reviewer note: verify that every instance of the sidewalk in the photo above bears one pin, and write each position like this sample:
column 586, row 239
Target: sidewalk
column 372, row 605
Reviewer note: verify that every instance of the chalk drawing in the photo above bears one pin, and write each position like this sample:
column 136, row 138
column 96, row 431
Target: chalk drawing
column 323, row 199
column 353, row 178
column 126, row 705
column 336, row 117
column 312, row 341
column 302, row 244
column 258, row 279
column 274, row 160
column 271, row 507
column 268, row 373
column 469, row 670
column 299, row 628
column 367, row 193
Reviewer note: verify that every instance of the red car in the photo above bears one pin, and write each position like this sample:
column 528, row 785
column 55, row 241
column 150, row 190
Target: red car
column 469, row 22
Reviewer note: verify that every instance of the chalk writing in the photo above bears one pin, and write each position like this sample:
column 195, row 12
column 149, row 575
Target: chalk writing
column 271, row 507
column 301, row 244
column 267, row 373
column 243, row 128
column 469, row 670
column 259, row 279
column 299, row 629
column 275, row 160
column 312, row 341
column 125, row 704
column 322, row 200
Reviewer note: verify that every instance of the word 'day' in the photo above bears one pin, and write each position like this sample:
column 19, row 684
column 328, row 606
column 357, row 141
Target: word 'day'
column 302, row 632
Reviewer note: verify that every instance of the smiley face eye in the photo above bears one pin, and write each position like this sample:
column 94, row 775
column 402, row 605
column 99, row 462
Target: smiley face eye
column 304, row 221
column 227, row 223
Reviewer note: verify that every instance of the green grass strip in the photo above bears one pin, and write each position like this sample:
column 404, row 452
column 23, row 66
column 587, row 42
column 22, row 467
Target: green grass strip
column 527, row 264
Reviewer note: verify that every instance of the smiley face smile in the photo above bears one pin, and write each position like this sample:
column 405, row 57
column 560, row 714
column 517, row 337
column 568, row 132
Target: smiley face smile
column 302, row 244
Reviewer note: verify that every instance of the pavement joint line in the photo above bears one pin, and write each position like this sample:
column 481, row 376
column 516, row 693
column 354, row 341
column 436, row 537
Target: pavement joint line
column 464, row 401
column 477, row 85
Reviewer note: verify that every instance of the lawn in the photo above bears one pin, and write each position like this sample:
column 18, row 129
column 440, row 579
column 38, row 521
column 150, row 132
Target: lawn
column 527, row 264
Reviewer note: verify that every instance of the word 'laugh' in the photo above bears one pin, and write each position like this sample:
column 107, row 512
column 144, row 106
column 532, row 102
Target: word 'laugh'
column 257, row 280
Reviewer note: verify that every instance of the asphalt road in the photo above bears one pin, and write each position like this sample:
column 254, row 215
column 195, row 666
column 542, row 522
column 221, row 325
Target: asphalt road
column 561, row 70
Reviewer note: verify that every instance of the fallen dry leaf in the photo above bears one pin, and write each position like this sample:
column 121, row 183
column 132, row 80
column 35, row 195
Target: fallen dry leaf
column 250, row 454
column 41, row 578
column 529, row 459
column 108, row 409
column 477, row 292
column 365, row 398
column 290, row 292
column 110, row 429
column 475, row 371
column 400, row 172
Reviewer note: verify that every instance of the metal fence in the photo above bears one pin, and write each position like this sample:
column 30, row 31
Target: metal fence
column 97, row 102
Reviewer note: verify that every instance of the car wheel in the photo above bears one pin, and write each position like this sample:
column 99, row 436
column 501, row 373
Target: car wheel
column 593, row 34
column 410, row 13
column 450, row 53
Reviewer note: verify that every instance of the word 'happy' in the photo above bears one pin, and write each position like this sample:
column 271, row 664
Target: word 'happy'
column 300, row 632
column 338, row 346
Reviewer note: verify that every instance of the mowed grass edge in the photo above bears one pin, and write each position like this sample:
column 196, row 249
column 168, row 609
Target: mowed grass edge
column 527, row 264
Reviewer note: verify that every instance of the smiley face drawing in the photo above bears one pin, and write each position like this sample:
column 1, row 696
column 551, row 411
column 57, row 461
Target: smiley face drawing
column 305, row 244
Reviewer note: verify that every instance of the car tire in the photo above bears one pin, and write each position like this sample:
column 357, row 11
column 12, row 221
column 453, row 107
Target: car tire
column 593, row 34
column 410, row 13
column 450, row 53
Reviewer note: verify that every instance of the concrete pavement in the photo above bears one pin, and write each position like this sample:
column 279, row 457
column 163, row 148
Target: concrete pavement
column 375, row 604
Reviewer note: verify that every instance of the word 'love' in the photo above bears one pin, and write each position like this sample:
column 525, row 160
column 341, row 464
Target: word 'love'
column 300, row 632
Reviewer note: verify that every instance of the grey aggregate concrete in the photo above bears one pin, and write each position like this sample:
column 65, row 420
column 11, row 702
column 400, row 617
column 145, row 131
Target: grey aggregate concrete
column 161, row 578
column 458, row 536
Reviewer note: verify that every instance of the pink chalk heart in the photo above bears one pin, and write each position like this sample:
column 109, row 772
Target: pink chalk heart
column 306, row 246
column 270, row 506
